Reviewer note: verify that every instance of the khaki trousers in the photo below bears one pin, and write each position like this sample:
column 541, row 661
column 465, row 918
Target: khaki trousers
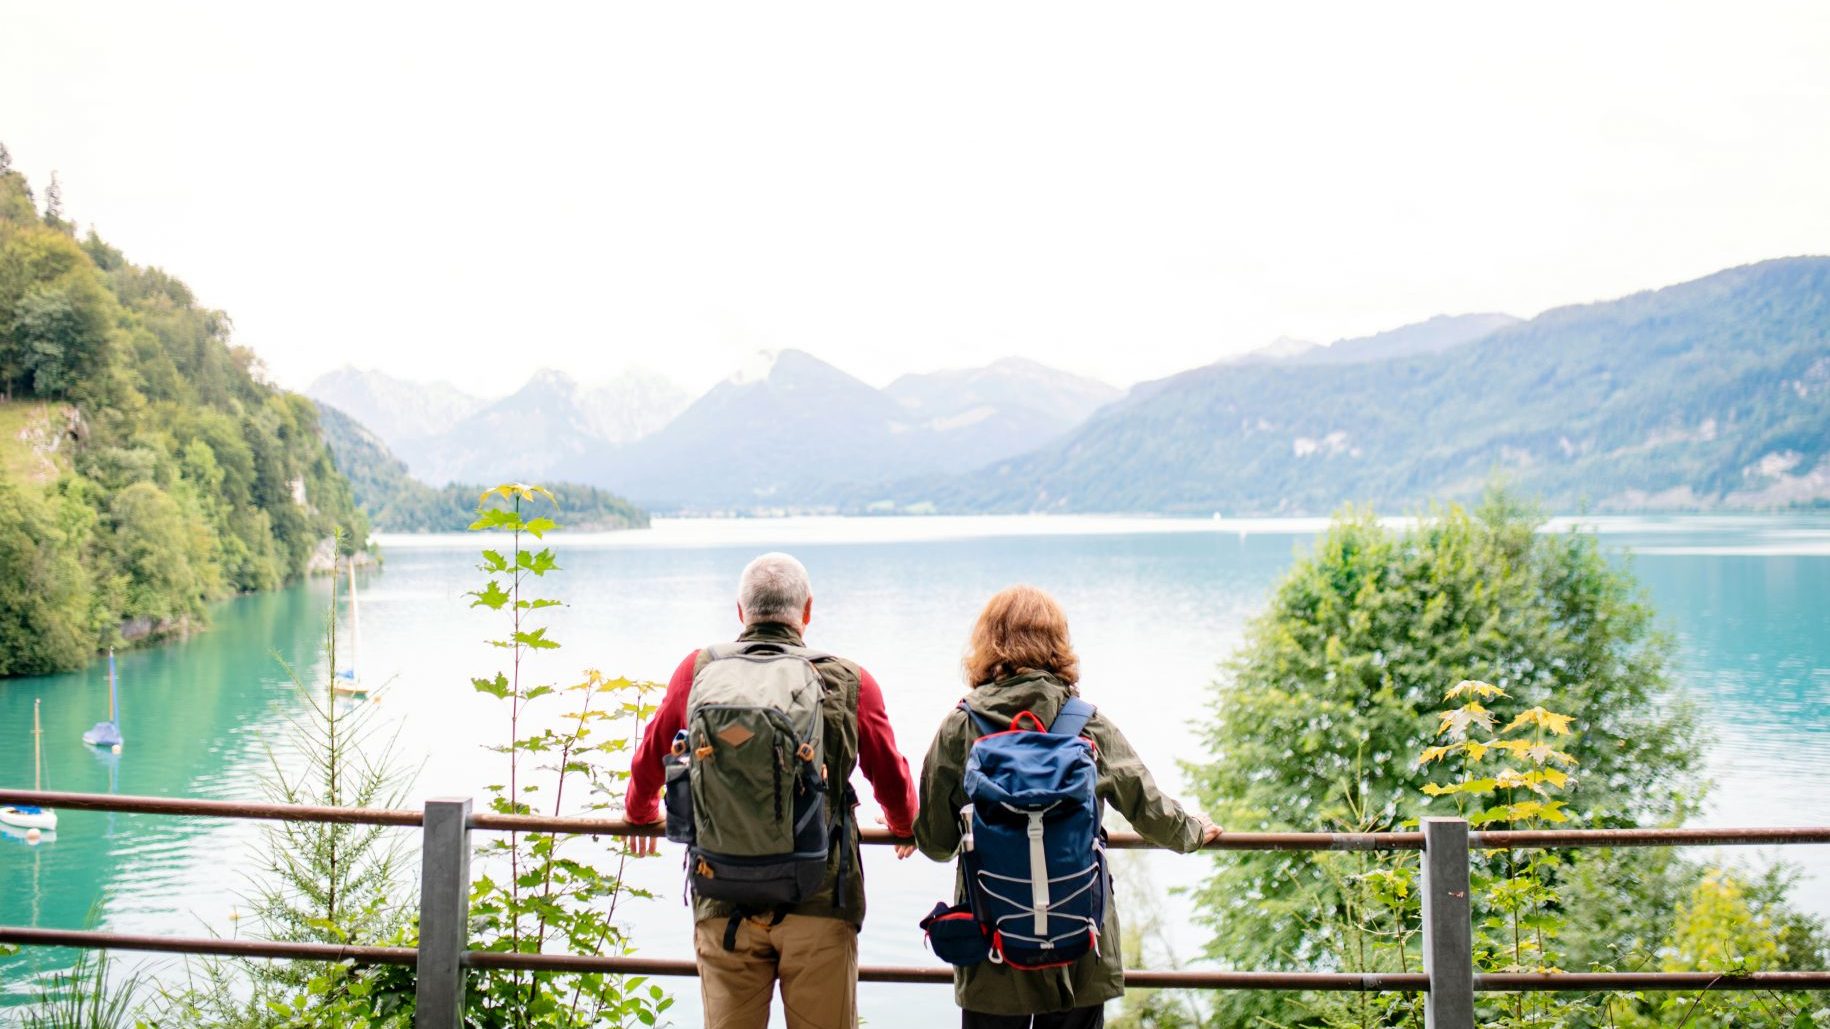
column 816, row 960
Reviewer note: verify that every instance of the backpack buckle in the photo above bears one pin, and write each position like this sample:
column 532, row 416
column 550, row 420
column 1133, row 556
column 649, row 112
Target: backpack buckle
column 804, row 752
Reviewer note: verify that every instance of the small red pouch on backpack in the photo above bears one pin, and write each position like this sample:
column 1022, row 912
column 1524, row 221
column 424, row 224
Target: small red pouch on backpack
column 955, row 935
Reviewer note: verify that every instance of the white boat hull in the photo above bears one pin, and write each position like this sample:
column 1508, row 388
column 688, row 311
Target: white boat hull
column 43, row 819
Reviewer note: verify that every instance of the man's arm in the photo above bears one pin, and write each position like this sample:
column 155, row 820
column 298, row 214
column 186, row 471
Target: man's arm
column 881, row 762
column 642, row 804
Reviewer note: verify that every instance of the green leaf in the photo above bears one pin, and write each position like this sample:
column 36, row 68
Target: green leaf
column 496, row 518
column 492, row 596
column 496, row 687
column 535, row 639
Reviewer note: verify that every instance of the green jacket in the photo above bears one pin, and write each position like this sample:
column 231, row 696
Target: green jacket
column 1125, row 786
column 839, row 709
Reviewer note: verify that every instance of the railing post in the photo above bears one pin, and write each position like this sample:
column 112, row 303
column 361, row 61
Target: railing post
column 1448, row 931
column 444, row 913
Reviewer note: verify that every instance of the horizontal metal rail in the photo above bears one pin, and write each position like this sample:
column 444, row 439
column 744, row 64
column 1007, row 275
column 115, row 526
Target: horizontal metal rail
column 1249, row 841
column 1545, row 838
column 131, row 805
column 1448, row 983
column 1373, row 982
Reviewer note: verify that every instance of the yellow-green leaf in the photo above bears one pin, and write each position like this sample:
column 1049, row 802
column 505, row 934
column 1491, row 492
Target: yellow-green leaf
column 1471, row 687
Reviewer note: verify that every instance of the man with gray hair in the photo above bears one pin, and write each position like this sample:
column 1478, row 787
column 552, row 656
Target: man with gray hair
column 811, row 945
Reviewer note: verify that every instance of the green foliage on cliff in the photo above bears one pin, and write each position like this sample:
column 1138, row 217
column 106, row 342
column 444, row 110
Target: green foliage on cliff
column 397, row 502
column 145, row 469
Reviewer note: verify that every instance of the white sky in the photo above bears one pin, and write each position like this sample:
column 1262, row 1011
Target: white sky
column 1124, row 190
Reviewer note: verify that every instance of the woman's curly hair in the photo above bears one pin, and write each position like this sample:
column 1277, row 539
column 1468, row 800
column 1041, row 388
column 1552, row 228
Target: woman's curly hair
column 1021, row 628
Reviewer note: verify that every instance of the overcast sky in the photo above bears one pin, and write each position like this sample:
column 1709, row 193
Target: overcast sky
column 1123, row 190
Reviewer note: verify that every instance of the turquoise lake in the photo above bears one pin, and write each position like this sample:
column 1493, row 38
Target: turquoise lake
column 1155, row 604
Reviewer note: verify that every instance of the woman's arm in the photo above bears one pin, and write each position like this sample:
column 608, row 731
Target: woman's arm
column 1128, row 787
column 937, row 830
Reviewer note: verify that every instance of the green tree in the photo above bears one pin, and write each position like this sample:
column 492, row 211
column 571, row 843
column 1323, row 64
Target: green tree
column 61, row 334
column 44, row 615
column 54, row 202
column 1317, row 720
column 157, row 548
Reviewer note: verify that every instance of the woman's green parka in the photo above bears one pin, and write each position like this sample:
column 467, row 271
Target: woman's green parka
column 1125, row 786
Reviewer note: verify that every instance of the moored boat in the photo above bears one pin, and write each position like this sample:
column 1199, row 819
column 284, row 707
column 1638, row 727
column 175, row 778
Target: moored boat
column 30, row 816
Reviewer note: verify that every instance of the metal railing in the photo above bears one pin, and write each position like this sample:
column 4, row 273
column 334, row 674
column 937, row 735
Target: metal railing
column 1448, row 980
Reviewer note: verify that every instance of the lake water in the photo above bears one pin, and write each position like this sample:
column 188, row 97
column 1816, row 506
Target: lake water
column 1154, row 603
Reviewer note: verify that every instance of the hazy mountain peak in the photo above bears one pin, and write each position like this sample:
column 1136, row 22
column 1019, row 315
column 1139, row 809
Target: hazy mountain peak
column 1283, row 348
column 755, row 368
column 1430, row 336
column 549, row 379
column 395, row 409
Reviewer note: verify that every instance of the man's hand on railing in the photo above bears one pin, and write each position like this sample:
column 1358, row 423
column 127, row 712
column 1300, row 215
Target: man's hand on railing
column 903, row 850
column 644, row 846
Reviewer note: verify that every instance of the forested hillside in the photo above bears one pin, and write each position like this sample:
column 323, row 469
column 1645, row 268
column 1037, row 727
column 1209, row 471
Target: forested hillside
column 1708, row 394
column 397, row 502
column 145, row 469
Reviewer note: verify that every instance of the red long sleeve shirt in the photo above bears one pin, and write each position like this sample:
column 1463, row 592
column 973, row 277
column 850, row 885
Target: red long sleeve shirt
column 883, row 765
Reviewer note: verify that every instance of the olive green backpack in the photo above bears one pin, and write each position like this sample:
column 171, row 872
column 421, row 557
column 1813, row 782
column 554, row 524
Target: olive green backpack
column 746, row 782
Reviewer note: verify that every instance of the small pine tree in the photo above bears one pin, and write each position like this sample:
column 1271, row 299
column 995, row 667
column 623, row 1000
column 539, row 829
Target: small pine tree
column 54, row 201
column 323, row 882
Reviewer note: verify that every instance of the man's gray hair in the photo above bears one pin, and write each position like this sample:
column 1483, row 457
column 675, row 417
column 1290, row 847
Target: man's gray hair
column 773, row 588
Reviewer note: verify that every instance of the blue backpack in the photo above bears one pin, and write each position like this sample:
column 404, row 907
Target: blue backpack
column 1034, row 853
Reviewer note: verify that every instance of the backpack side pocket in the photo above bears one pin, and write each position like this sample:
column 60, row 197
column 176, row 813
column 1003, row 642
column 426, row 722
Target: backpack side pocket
column 678, row 798
column 955, row 935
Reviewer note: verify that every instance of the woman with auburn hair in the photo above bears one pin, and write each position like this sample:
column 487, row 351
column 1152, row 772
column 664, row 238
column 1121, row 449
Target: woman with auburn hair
column 1020, row 659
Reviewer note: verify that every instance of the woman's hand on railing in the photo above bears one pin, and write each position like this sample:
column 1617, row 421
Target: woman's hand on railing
column 1209, row 831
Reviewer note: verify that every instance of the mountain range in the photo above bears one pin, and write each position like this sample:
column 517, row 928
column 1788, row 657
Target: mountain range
column 1708, row 394
column 397, row 502
column 779, row 430
column 445, row 435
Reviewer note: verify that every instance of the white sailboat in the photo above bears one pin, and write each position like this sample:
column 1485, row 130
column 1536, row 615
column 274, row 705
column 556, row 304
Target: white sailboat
column 108, row 734
column 31, row 817
column 348, row 683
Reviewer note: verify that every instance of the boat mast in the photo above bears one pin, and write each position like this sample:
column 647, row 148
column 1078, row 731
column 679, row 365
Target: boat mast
column 114, row 711
column 355, row 625
column 37, row 748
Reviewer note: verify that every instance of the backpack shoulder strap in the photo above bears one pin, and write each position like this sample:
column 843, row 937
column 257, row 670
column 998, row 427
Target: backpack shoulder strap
column 980, row 723
column 1073, row 717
